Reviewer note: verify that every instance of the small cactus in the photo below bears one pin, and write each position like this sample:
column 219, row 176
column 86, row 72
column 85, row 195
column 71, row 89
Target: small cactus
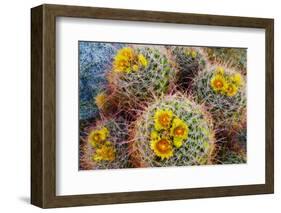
column 189, row 62
column 138, row 75
column 104, row 145
column 173, row 131
column 223, row 91
column 234, row 57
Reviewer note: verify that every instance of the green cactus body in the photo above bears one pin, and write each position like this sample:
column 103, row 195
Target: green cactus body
column 139, row 83
column 211, row 87
column 196, row 147
column 104, row 145
column 189, row 62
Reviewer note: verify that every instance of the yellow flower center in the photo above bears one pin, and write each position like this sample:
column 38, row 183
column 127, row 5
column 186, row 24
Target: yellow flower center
column 164, row 119
column 218, row 83
column 179, row 131
column 126, row 54
column 163, row 146
column 230, row 90
column 97, row 137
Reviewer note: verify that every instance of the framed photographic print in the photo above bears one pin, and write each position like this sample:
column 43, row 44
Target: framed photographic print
column 136, row 106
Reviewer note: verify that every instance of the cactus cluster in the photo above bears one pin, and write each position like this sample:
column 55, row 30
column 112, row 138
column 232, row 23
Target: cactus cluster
column 159, row 106
column 104, row 145
column 173, row 131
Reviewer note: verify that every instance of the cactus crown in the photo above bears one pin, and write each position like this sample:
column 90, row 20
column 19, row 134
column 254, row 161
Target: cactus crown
column 174, row 131
column 105, row 145
column 146, row 73
column 223, row 91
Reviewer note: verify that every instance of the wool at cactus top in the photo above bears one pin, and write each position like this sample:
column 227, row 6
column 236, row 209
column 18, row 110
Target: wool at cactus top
column 145, row 105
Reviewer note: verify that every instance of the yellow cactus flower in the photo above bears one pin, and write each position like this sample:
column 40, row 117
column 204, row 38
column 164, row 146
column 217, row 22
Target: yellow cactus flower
column 231, row 90
column 154, row 136
column 126, row 52
column 177, row 142
column 193, row 54
column 179, row 131
column 187, row 53
column 162, row 148
column 162, row 119
column 220, row 70
column 121, row 65
column 101, row 99
column 237, row 79
column 123, row 60
column 126, row 61
column 135, row 67
column 142, row 60
column 105, row 153
column 98, row 137
column 218, row 83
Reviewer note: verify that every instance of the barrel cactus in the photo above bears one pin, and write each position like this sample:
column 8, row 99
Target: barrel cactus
column 173, row 131
column 138, row 75
column 223, row 91
column 104, row 145
column 189, row 61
